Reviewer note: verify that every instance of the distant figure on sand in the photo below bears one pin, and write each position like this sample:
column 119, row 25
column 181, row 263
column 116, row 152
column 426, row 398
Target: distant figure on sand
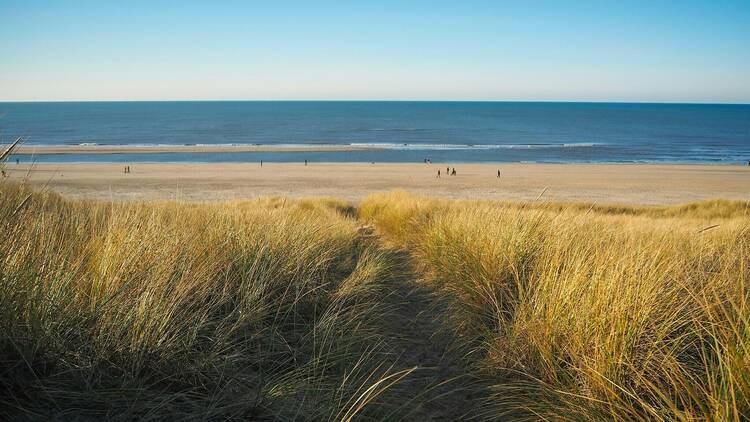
column 498, row 174
column 261, row 163
column 438, row 176
column 3, row 173
column 453, row 173
column 17, row 161
column 447, row 170
column 305, row 162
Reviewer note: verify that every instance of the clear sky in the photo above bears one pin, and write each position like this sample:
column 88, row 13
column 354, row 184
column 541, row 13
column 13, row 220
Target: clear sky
column 681, row 51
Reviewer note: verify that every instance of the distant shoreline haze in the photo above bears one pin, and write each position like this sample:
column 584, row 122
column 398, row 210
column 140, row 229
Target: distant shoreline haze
column 367, row 100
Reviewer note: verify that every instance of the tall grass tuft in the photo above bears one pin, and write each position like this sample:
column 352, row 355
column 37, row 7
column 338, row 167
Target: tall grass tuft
column 250, row 310
column 589, row 313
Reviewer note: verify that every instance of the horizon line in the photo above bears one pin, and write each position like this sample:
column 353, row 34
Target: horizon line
column 377, row 100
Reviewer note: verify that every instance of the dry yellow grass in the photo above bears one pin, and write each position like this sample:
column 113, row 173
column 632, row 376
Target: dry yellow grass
column 261, row 309
column 272, row 308
column 589, row 313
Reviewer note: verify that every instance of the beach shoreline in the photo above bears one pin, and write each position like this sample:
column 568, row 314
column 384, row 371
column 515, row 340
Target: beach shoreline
column 157, row 149
column 633, row 184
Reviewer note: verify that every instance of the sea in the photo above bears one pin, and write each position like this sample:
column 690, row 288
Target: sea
column 399, row 131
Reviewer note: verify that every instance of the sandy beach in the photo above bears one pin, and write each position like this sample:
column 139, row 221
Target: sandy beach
column 600, row 183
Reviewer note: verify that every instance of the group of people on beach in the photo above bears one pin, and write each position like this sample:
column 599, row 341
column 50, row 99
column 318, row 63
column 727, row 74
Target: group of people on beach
column 127, row 169
column 448, row 172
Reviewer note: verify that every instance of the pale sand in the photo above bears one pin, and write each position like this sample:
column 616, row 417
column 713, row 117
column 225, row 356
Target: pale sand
column 600, row 183
column 117, row 149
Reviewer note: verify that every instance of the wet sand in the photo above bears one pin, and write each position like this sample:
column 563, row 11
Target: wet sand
column 600, row 183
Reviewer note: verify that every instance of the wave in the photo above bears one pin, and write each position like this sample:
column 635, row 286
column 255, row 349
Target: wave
column 366, row 145
column 432, row 147
column 403, row 129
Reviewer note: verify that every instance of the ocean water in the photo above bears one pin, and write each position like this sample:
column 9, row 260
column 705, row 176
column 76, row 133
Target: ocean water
column 404, row 131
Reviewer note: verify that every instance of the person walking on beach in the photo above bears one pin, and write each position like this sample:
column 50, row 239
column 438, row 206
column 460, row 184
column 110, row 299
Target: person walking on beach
column 447, row 170
column 305, row 162
column 261, row 163
column 438, row 176
column 453, row 173
column 498, row 173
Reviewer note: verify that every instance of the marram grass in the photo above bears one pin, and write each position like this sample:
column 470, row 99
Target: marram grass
column 250, row 310
column 589, row 313
column 274, row 309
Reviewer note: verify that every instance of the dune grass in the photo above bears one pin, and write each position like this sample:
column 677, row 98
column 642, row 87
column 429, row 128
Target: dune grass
column 273, row 309
column 250, row 310
column 589, row 313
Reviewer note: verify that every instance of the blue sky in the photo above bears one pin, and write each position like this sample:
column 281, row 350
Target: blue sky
column 681, row 51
